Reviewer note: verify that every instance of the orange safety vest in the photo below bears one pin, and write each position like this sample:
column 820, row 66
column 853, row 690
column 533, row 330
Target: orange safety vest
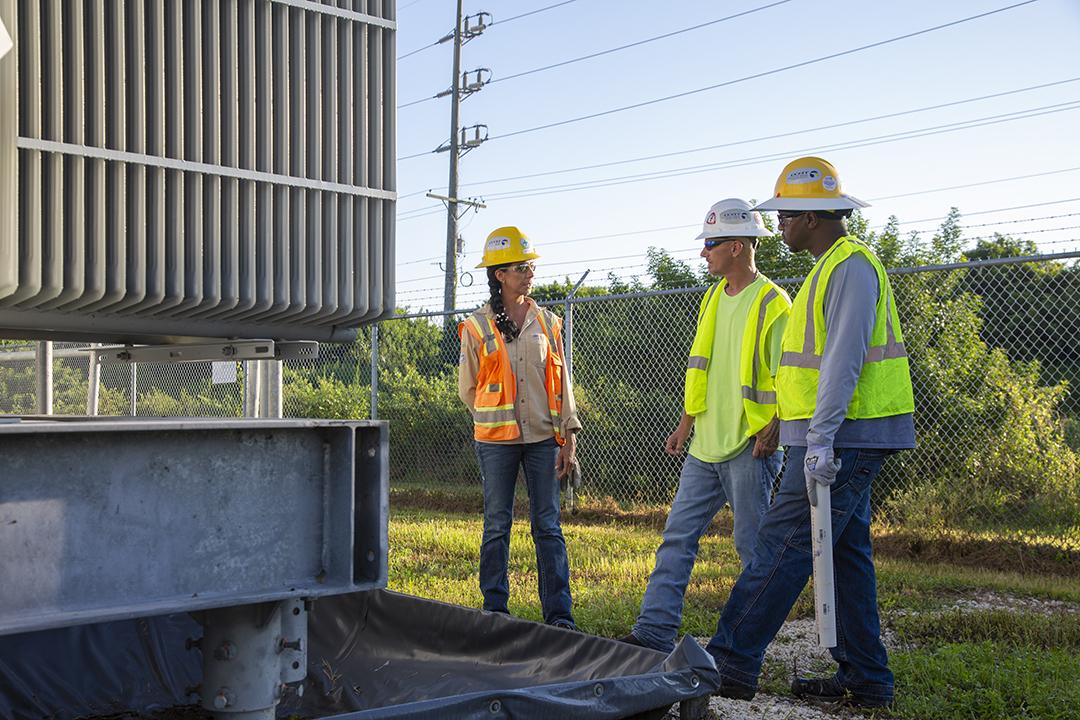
column 496, row 388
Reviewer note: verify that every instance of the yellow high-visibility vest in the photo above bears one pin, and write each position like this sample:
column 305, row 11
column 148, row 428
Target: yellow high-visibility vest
column 884, row 386
column 496, row 388
column 758, row 391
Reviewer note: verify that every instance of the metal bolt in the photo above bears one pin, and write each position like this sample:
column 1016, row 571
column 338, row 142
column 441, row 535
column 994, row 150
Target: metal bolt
column 495, row 706
column 598, row 690
column 371, row 452
column 694, row 682
column 226, row 651
column 221, row 700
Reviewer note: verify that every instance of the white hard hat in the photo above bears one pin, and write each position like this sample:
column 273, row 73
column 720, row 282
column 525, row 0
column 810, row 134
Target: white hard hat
column 733, row 218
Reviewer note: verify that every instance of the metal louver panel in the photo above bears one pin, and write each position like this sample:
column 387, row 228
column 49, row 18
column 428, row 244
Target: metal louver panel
column 181, row 169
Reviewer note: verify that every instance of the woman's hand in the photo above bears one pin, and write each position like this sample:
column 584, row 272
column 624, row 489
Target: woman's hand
column 564, row 463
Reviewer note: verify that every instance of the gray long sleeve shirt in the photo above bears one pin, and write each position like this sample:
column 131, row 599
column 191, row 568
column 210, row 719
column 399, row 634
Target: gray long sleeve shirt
column 850, row 300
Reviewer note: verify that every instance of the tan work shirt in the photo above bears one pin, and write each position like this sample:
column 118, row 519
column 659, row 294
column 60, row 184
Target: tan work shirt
column 528, row 358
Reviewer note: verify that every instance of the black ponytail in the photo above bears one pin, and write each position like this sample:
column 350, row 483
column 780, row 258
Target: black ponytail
column 507, row 327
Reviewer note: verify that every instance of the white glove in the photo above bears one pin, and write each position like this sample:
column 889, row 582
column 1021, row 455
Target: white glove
column 820, row 468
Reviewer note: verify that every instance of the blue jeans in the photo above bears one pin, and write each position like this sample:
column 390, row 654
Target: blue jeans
column 744, row 481
column 765, row 592
column 499, row 470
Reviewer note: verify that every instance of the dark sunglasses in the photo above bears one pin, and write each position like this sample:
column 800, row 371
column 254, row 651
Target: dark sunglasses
column 710, row 244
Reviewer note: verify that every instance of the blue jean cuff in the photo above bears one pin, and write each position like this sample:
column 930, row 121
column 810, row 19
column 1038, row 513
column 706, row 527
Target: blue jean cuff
column 736, row 676
column 650, row 640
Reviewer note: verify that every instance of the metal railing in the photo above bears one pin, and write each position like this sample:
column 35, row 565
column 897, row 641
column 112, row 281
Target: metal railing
column 995, row 355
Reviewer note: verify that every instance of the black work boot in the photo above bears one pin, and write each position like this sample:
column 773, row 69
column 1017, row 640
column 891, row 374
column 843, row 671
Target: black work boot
column 830, row 690
column 631, row 639
column 735, row 691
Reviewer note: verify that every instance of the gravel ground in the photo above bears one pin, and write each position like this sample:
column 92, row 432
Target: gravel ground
column 795, row 647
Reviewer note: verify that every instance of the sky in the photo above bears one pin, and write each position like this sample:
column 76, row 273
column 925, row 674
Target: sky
column 779, row 97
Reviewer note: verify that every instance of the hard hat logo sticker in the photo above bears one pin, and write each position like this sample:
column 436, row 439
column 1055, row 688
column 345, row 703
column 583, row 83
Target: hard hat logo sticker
column 801, row 176
column 711, row 220
column 497, row 243
column 735, row 217
column 525, row 244
column 829, row 183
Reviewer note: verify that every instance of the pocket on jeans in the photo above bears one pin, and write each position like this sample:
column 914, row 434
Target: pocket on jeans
column 864, row 468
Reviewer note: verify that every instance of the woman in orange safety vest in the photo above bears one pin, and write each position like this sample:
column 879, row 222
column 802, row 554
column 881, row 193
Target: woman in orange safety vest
column 513, row 379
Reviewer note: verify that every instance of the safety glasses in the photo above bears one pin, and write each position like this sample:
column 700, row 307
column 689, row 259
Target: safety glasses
column 783, row 216
column 525, row 267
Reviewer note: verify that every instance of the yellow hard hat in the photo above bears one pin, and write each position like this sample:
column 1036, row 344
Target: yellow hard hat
column 810, row 183
column 507, row 245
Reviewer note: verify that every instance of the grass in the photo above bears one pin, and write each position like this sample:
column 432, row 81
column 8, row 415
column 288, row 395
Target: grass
column 952, row 665
column 1029, row 552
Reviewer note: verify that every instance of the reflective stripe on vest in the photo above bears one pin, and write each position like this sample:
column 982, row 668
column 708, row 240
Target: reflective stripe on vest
column 884, row 386
column 494, row 414
column 751, row 392
column 758, row 393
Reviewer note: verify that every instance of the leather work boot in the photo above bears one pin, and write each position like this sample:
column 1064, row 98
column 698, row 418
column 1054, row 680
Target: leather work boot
column 829, row 690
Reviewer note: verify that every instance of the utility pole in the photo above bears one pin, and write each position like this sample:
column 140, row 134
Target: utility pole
column 450, row 283
column 458, row 144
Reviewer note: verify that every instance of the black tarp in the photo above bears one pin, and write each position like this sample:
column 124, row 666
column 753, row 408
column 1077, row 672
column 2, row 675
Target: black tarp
column 371, row 655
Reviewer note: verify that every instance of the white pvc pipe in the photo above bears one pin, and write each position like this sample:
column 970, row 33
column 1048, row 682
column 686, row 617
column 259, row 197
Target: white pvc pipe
column 822, row 545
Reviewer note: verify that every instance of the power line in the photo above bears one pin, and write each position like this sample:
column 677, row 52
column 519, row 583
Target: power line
column 654, row 38
column 1000, row 222
column 765, row 73
column 417, row 50
column 979, row 184
column 510, row 19
column 532, row 12
column 989, row 212
column 776, row 136
column 901, row 222
column 756, row 160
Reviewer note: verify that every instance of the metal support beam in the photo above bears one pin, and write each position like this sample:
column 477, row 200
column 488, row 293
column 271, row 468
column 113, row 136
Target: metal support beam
column 374, row 413
column 93, row 385
column 44, row 377
column 201, row 514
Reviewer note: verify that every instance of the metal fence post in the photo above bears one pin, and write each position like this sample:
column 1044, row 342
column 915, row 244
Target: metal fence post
column 45, row 377
column 568, row 350
column 374, row 372
column 271, row 391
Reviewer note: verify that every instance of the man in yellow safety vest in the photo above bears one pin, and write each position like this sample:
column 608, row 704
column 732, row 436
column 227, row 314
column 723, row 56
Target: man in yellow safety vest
column 845, row 402
column 730, row 406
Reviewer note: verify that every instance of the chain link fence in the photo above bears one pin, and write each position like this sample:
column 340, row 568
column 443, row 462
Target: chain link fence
column 995, row 356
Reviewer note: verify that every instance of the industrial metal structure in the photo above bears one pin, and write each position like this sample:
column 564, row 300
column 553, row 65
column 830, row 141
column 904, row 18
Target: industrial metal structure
column 196, row 169
column 197, row 175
